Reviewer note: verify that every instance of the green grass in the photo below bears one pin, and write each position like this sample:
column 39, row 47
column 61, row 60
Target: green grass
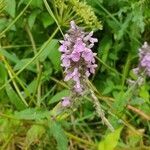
column 31, row 77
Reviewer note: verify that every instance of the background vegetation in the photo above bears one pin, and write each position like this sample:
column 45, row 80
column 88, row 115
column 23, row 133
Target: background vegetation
column 31, row 78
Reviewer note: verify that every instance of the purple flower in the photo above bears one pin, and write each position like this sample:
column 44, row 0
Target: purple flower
column 92, row 68
column 79, row 45
column 144, row 59
column 136, row 70
column 65, row 102
column 87, row 55
column 68, row 76
column 77, row 57
column 65, row 61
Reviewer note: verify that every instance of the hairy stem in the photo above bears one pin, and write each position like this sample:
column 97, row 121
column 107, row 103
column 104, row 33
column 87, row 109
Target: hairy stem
column 100, row 111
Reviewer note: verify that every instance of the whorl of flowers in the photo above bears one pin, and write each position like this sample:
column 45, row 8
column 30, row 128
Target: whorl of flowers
column 77, row 57
column 144, row 60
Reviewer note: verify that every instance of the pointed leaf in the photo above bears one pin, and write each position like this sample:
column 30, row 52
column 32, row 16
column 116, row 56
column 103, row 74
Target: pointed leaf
column 111, row 140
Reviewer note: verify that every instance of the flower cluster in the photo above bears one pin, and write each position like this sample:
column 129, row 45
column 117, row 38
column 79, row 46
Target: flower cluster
column 144, row 60
column 86, row 13
column 77, row 57
column 80, row 11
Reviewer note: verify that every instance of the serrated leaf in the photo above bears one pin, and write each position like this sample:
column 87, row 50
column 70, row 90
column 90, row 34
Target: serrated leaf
column 110, row 141
column 58, row 133
column 123, row 27
column 143, row 93
column 32, row 114
column 57, row 97
column 104, row 48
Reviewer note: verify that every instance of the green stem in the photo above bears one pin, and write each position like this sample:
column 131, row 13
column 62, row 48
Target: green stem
column 38, row 87
column 79, row 139
column 39, row 71
column 126, row 69
column 4, row 147
column 33, row 59
column 14, row 83
column 15, row 46
column 52, row 15
column 110, row 68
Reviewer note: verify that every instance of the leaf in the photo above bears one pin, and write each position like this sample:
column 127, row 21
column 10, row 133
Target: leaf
column 123, row 28
column 14, row 98
column 137, row 101
column 32, row 17
column 32, row 114
column 31, row 86
column 47, row 50
column 9, row 56
column 34, row 3
column 109, row 87
column 138, row 18
column 113, row 26
column 23, row 62
column 121, row 100
column 3, row 78
column 11, row 7
column 3, row 74
column 143, row 93
column 110, row 141
column 3, row 23
column 51, row 51
column 34, row 134
column 54, row 55
column 58, row 133
column 105, row 46
column 59, row 96
column 37, row 3
column 46, row 19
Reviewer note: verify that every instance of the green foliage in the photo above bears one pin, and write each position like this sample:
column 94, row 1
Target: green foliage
column 14, row 98
column 3, row 74
column 31, row 77
column 59, row 96
column 10, row 7
column 31, row 114
column 86, row 13
column 58, row 133
column 34, row 134
column 111, row 140
column 2, row 6
column 77, row 10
